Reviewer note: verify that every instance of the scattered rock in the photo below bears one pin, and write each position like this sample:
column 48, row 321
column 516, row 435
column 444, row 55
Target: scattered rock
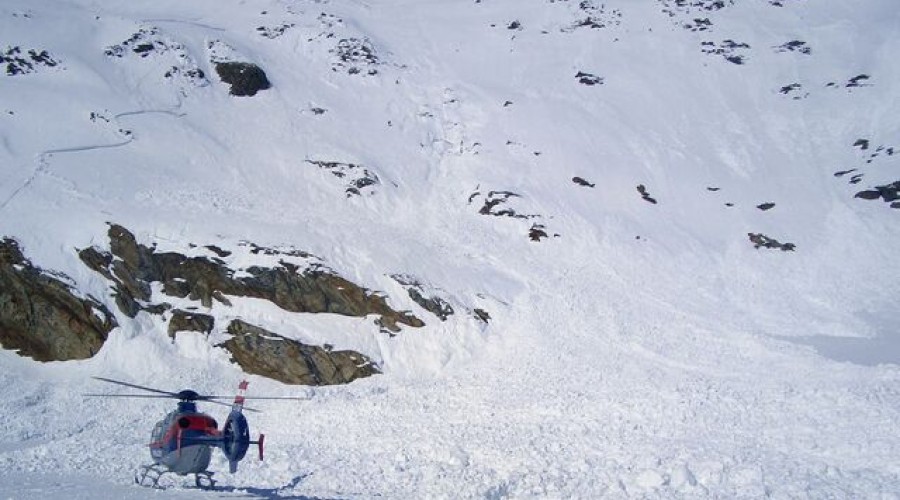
column 246, row 79
column 42, row 317
column 273, row 32
column 890, row 193
column 417, row 292
column 261, row 352
column 537, row 232
column 794, row 46
column 594, row 15
column 495, row 199
column 481, row 315
column 698, row 24
column 357, row 56
column 359, row 179
column 761, row 240
column 728, row 49
column 582, row 182
column 19, row 62
column 765, row 206
column 588, row 79
column 857, row 81
column 794, row 90
column 645, row 194
column 149, row 42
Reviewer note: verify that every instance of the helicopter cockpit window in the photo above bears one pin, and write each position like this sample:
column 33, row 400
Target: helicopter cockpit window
column 157, row 433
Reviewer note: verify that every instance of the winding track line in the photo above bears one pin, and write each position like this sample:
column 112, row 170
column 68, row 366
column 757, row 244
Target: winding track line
column 42, row 165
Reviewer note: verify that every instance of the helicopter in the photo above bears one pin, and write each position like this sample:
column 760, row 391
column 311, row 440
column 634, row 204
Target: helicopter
column 181, row 443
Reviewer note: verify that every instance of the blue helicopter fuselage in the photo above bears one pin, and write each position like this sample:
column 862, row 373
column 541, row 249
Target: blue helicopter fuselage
column 183, row 440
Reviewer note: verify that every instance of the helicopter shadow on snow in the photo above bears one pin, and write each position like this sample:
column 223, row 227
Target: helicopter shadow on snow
column 270, row 493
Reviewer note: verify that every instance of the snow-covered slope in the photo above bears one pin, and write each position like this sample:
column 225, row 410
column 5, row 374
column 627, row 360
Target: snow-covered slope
column 643, row 348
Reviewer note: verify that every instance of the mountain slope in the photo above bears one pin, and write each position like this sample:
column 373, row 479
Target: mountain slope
column 642, row 346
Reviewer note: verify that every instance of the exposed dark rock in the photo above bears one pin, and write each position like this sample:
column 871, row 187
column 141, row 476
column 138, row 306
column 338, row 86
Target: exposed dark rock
column 499, row 198
column 790, row 88
column 42, row 317
column 246, row 79
column 150, row 43
column 698, row 24
column 186, row 321
column 794, row 89
column 432, row 303
column 582, row 182
column 132, row 267
column 712, row 189
column 358, row 179
column 357, row 56
column 19, row 62
column 515, row 25
column 794, row 46
column 481, row 315
column 857, row 81
column 765, row 206
column 268, row 354
column 588, row 79
column 537, row 232
column 645, row 194
column 273, row 32
column 761, row 240
column 890, row 193
column 218, row 251
column 729, row 49
column 862, row 144
column 842, row 173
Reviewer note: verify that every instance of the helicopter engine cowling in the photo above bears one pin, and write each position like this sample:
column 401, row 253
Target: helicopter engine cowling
column 235, row 439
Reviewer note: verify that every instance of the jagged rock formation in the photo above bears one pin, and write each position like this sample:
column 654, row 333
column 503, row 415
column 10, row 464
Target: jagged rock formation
column 268, row 354
column 132, row 267
column 41, row 316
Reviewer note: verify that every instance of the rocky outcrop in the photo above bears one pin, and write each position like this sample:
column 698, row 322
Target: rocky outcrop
column 185, row 321
column 132, row 267
column 261, row 352
column 246, row 79
column 41, row 316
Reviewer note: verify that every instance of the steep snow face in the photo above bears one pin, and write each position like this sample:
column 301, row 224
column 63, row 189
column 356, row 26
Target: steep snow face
column 641, row 347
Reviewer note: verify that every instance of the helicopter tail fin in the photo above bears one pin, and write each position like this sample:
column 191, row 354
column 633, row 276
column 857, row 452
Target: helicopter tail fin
column 238, row 404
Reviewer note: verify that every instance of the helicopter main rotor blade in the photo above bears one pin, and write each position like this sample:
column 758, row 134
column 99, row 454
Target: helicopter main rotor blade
column 135, row 386
column 160, row 396
column 254, row 410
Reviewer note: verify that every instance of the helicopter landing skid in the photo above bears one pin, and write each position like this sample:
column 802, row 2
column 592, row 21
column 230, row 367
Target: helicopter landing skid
column 150, row 475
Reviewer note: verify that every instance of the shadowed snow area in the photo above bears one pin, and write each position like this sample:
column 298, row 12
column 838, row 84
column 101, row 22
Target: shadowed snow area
column 680, row 217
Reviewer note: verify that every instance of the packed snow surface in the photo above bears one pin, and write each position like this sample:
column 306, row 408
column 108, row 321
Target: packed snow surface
column 643, row 349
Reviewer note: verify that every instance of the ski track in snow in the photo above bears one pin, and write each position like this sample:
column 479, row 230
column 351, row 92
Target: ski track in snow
column 42, row 162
